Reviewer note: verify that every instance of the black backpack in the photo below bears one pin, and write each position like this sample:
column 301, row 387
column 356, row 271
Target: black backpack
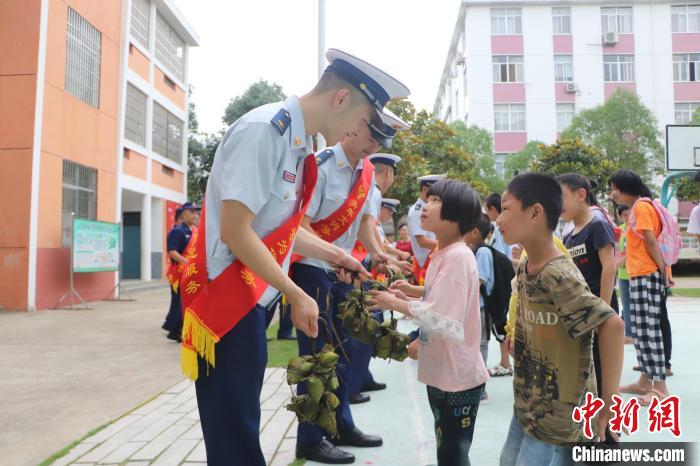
column 496, row 304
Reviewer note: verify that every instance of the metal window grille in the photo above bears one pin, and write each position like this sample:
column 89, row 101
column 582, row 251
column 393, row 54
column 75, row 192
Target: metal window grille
column 83, row 47
column 686, row 67
column 507, row 68
column 685, row 18
column 170, row 48
column 618, row 68
column 79, row 197
column 140, row 13
column 167, row 134
column 135, row 117
column 509, row 117
column 684, row 111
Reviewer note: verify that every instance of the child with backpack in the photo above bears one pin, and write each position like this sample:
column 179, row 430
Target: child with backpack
column 495, row 275
column 555, row 321
column 623, row 278
column 653, row 244
column 447, row 309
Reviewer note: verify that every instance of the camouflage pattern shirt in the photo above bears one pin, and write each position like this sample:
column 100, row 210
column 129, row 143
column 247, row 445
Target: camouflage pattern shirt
column 555, row 319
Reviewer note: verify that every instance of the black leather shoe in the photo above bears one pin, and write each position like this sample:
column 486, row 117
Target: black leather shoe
column 324, row 452
column 373, row 387
column 355, row 438
column 358, row 398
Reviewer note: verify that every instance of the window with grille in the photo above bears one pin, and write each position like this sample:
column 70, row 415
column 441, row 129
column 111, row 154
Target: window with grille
column 561, row 20
column 563, row 68
column 686, row 67
column 79, row 197
column 140, row 14
column 170, row 49
column 685, row 111
column 507, row 68
column 685, row 18
column 509, row 117
column 506, row 21
column 135, row 116
column 167, row 134
column 616, row 19
column 83, row 48
column 565, row 114
column 618, row 68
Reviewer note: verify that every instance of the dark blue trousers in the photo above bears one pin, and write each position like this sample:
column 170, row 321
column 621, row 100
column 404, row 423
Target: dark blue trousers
column 228, row 395
column 286, row 326
column 321, row 285
column 173, row 320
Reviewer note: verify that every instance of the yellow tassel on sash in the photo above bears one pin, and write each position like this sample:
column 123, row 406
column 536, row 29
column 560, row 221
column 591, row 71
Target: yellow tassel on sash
column 203, row 344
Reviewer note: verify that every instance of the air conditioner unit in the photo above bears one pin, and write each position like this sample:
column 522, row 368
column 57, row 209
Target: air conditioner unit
column 611, row 38
column 571, row 88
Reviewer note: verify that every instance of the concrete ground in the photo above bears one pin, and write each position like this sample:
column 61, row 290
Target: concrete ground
column 67, row 372
column 64, row 387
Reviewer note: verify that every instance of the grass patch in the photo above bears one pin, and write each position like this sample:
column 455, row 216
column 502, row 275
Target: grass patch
column 279, row 351
column 297, row 463
column 686, row 292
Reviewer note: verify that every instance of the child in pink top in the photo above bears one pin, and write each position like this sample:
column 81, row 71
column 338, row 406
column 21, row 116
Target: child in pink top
column 447, row 309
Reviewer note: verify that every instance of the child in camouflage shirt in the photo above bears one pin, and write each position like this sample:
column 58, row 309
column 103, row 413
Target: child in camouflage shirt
column 555, row 320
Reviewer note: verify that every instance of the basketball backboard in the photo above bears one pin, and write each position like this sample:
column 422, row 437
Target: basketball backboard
column 682, row 147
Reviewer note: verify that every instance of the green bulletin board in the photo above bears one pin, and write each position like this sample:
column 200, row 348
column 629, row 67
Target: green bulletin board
column 95, row 246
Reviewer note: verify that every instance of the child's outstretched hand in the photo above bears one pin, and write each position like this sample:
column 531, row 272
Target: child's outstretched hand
column 381, row 300
column 412, row 349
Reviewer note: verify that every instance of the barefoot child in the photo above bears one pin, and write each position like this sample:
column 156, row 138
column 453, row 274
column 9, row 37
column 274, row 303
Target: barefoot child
column 555, row 320
column 447, row 309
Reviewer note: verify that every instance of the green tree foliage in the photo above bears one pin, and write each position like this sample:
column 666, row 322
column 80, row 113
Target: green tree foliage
column 479, row 143
column 624, row 130
column 259, row 93
column 687, row 189
column 574, row 156
column 429, row 147
column 520, row 162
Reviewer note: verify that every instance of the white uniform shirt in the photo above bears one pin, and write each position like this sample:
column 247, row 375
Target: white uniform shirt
column 336, row 178
column 261, row 168
column 414, row 229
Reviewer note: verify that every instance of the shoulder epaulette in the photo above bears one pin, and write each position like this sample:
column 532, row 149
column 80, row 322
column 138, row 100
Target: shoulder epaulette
column 281, row 121
column 323, row 156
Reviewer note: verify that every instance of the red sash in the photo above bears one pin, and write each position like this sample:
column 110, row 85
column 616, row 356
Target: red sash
column 337, row 223
column 213, row 308
column 175, row 269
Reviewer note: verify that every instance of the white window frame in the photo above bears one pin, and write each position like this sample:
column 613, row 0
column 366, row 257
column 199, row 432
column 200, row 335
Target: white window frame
column 617, row 19
column 83, row 59
column 506, row 21
column 618, row 68
column 512, row 65
column 683, row 111
column 565, row 115
column 685, row 18
column 561, row 20
column 686, row 67
column 509, row 118
column 500, row 163
column 563, row 68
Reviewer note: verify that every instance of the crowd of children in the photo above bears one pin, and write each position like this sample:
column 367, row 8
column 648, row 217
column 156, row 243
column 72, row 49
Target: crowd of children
column 561, row 325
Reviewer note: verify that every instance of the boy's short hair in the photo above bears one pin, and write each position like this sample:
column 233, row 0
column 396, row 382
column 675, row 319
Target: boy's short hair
column 484, row 226
column 493, row 200
column 628, row 182
column 460, row 203
column 538, row 188
column 621, row 209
